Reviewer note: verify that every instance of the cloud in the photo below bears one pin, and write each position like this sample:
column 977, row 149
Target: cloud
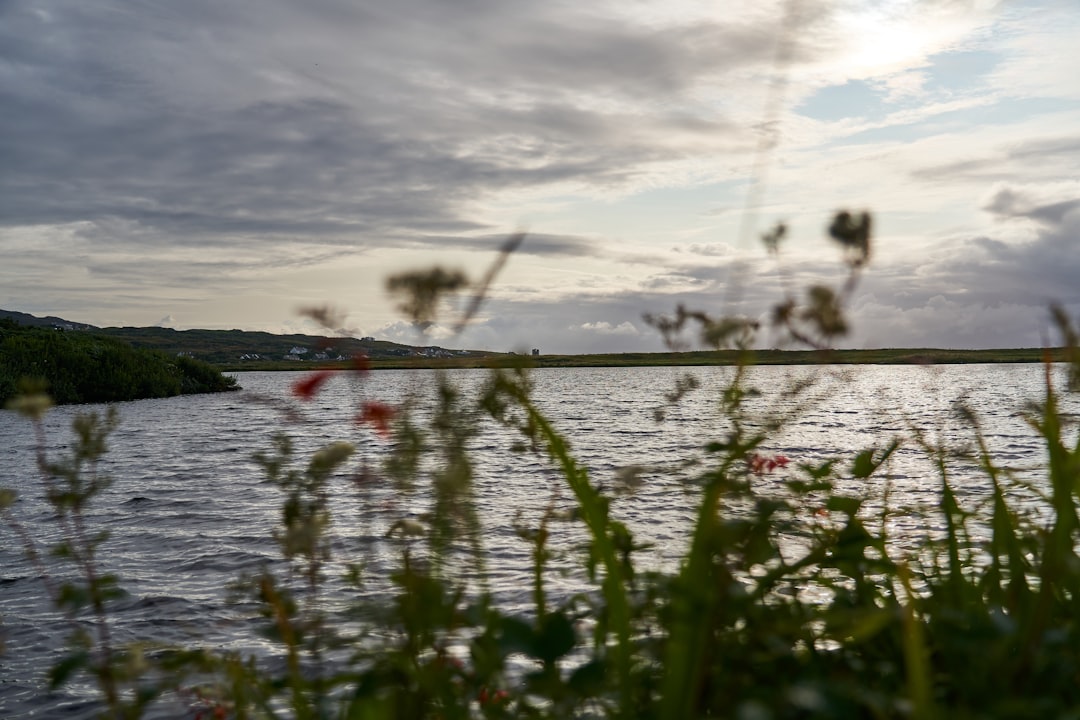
column 605, row 328
column 1004, row 160
column 711, row 250
column 985, row 291
column 211, row 123
column 536, row 244
column 231, row 160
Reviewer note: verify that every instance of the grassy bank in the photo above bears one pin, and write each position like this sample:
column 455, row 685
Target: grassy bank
column 893, row 356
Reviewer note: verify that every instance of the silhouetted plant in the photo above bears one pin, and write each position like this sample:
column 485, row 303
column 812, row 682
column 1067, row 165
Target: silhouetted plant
column 71, row 569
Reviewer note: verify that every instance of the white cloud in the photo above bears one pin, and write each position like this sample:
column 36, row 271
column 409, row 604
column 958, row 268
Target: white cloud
column 605, row 328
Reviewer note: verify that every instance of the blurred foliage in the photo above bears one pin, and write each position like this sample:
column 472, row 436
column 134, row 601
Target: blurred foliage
column 791, row 600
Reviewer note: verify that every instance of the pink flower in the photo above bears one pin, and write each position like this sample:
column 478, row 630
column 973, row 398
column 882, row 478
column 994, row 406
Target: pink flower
column 761, row 464
column 305, row 389
column 378, row 415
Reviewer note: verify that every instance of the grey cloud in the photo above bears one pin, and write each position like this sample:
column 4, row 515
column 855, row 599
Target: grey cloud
column 669, row 280
column 1010, row 203
column 977, row 292
column 306, row 168
column 362, row 123
column 132, row 271
column 998, row 166
column 711, row 250
column 541, row 244
column 985, row 292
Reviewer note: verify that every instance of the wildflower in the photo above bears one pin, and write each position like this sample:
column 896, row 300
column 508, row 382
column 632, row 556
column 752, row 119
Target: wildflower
column 332, row 455
column 628, row 479
column 484, row 697
column 32, row 400
column 378, row 415
column 31, row 406
column 408, row 527
column 761, row 464
column 305, row 389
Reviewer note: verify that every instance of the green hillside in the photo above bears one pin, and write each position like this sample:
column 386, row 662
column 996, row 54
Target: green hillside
column 240, row 348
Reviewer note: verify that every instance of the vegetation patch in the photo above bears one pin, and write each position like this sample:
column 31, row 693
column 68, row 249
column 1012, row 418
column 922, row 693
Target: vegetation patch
column 981, row 620
column 82, row 367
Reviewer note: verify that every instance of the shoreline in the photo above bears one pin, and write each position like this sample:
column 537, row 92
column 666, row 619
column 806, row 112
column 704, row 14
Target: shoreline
column 701, row 358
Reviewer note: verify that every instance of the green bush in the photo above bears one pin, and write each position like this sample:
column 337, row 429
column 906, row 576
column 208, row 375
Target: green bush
column 80, row 367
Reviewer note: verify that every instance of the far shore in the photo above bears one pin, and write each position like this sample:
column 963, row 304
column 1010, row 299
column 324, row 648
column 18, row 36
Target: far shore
column 894, row 356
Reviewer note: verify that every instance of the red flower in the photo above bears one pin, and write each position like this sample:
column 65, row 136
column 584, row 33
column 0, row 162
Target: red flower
column 760, row 464
column 484, row 697
column 378, row 415
column 305, row 389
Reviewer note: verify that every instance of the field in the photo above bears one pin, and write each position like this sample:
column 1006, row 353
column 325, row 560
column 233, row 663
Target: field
column 894, row 356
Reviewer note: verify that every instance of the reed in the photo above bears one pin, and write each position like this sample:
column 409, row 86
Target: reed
column 972, row 625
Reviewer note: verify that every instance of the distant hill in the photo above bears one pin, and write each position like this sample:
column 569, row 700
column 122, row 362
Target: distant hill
column 238, row 346
column 49, row 321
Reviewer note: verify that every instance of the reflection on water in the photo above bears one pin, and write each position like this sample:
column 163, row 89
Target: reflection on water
column 189, row 510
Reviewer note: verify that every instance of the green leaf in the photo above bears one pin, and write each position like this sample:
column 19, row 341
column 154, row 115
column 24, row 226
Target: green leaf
column 62, row 670
column 863, row 465
column 556, row 637
column 588, row 679
column 517, row 636
column 847, row 505
column 817, row 472
column 72, row 596
column 868, row 461
column 860, row 626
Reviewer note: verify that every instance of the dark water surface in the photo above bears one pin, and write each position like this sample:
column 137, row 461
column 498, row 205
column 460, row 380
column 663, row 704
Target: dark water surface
column 189, row 510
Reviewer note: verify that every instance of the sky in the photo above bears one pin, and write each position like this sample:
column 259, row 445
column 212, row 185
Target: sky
column 209, row 164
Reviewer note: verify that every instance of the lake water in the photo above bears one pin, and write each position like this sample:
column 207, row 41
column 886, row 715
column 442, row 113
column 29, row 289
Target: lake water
column 190, row 511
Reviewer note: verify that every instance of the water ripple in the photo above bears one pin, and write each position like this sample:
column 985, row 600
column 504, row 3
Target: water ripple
column 190, row 511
